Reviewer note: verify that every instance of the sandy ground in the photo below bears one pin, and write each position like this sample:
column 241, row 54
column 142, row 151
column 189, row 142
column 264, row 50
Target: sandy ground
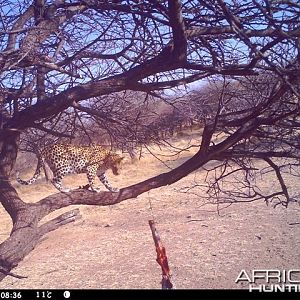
column 112, row 247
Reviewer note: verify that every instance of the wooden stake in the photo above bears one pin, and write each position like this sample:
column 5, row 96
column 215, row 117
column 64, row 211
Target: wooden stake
column 161, row 259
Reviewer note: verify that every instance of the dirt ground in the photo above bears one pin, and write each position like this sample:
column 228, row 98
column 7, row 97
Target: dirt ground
column 112, row 247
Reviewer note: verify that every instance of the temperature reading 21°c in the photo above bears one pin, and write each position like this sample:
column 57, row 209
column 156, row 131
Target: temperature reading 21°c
column 43, row 294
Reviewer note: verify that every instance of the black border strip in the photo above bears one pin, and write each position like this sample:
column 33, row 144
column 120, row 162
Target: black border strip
column 142, row 294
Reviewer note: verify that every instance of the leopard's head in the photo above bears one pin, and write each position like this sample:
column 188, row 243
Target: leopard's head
column 114, row 162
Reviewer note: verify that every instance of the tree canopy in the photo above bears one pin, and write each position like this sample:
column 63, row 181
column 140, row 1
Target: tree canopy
column 58, row 59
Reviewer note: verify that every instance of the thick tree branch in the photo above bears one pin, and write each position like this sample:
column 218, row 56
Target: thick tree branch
column 178, row 29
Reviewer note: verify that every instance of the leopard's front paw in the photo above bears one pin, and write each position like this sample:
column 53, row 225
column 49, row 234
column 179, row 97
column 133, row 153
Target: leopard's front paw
column 93, row 189
column 65, row 190
column 114, row 190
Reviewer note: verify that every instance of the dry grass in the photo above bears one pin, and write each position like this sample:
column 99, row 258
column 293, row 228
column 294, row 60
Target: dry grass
column 112, row 247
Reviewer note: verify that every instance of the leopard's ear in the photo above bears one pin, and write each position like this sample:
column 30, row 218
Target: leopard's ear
column 120, row 158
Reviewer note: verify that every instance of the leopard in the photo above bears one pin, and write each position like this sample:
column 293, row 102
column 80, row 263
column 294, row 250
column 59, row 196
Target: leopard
column 63, row 159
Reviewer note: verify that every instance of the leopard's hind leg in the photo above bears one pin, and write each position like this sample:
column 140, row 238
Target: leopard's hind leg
column 58, row 176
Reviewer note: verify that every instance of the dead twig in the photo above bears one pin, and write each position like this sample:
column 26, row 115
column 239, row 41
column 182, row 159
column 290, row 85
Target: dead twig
column 12, row 274
column 295, row 223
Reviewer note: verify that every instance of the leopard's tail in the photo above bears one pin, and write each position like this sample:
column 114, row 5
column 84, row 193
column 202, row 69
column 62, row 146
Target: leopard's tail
column 36, row 174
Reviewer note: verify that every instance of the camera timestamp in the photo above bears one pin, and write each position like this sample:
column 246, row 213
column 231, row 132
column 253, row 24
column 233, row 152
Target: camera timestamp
column 10, row 295
column 26, row 294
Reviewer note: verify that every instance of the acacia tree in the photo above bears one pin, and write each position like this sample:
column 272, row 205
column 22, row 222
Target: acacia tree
column 59, row 55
